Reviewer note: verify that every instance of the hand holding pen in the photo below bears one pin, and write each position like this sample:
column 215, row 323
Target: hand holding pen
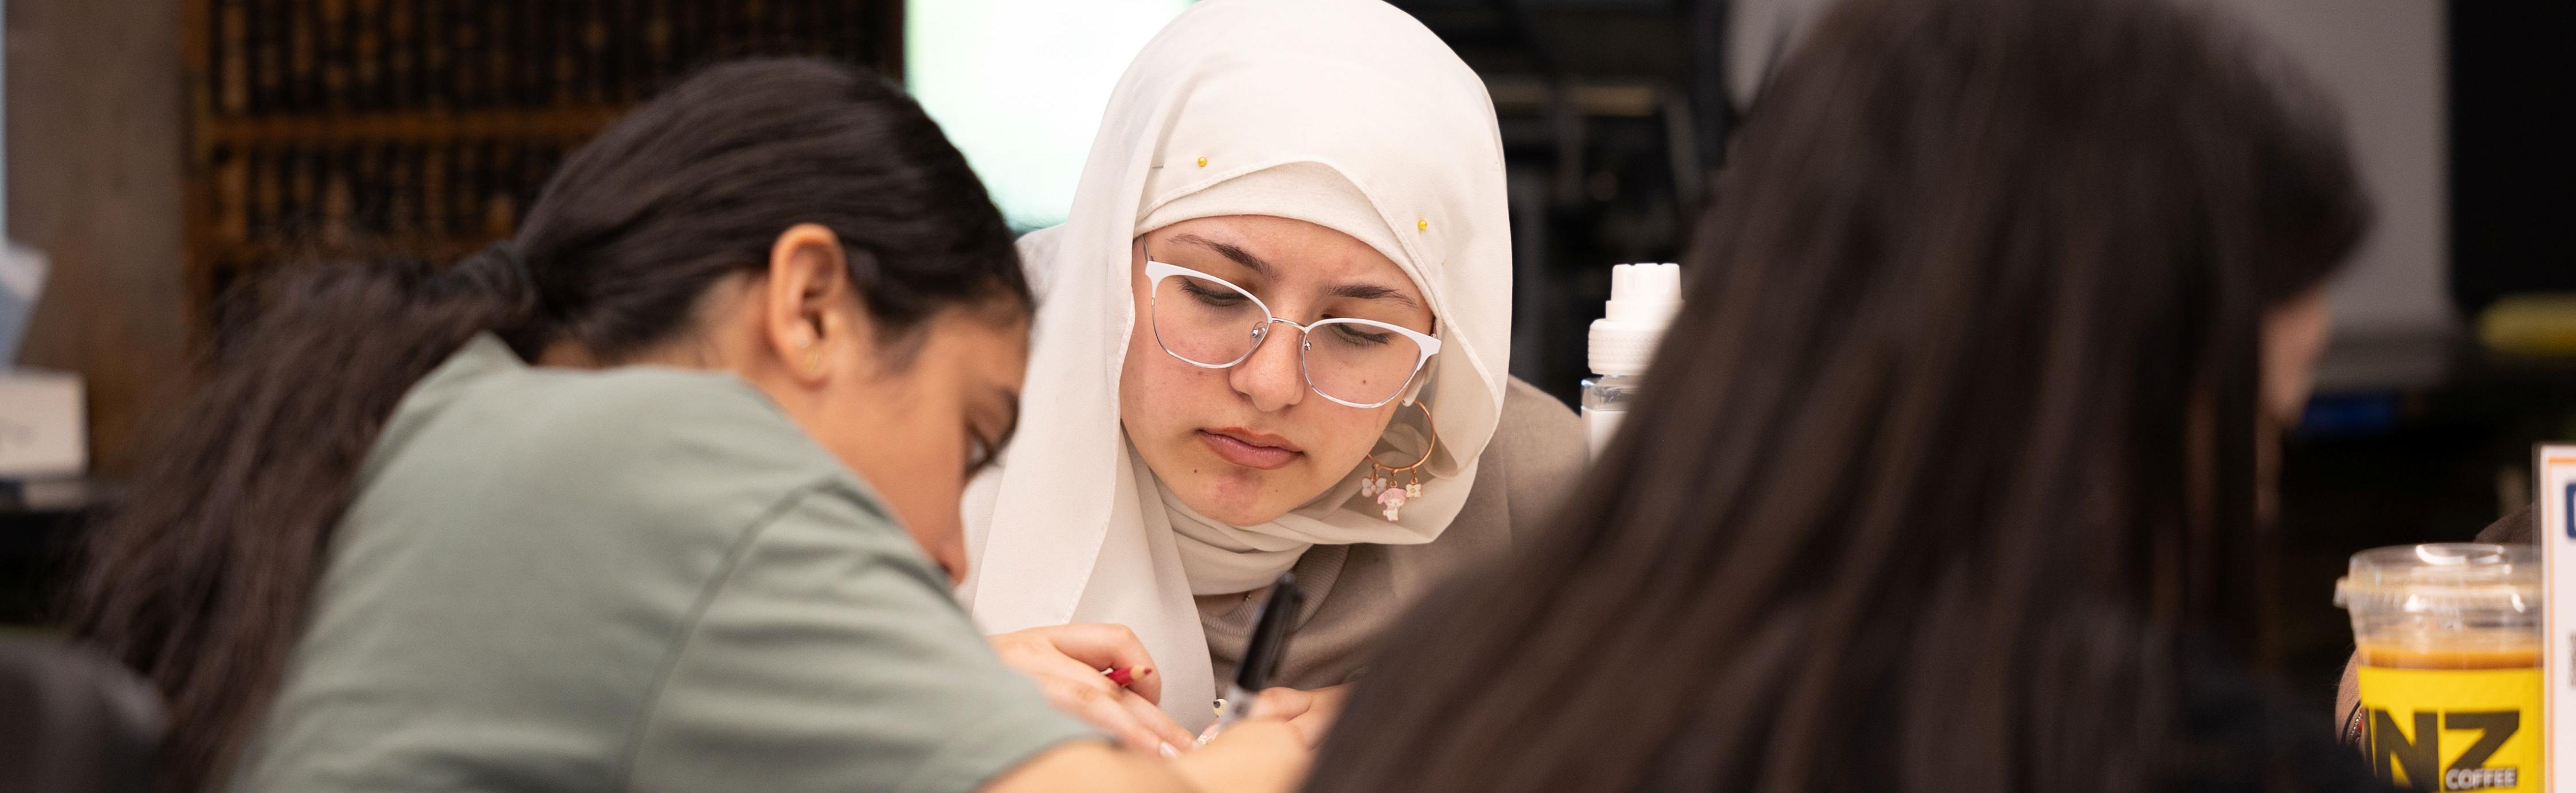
column 1068, row 662
column 1261, row 653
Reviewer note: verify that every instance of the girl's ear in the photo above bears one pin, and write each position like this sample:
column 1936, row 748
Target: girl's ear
column 809, row 281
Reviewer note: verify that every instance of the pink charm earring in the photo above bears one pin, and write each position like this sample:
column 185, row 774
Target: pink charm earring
column 1380, row 481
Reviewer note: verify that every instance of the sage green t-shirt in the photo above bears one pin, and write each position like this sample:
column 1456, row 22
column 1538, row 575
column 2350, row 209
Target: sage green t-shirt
column 639, row 579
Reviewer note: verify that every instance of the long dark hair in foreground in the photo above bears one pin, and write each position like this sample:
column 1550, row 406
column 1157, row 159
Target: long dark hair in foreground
column 203, row 581
column 1952, row 452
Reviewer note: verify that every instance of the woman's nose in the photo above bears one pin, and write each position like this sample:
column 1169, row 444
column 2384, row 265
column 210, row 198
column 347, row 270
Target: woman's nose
column 1270, row 378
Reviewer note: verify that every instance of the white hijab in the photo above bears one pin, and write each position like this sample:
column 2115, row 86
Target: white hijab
column 1344, row 113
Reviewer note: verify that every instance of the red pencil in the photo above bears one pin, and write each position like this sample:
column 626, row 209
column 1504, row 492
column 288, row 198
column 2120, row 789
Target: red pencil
column 1125, row 675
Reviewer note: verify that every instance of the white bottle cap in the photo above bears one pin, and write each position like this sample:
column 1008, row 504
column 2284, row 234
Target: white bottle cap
column 1643, row 299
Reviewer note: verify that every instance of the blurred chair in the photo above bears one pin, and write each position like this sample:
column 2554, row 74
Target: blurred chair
column 73, row 721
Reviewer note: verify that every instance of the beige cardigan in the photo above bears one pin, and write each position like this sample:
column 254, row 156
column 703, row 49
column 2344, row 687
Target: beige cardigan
column 1354, row 591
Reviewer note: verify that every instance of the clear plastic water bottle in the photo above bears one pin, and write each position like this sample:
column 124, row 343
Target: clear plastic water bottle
column 1643, row 299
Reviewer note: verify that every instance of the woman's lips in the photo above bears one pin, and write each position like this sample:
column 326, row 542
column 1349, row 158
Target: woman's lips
column 1250, row 450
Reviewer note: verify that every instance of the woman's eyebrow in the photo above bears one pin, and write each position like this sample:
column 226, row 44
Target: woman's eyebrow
column 1230, row 251
column 1374, row 292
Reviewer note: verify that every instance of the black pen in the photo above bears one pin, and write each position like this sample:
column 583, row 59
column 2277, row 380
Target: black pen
column 1261, row 653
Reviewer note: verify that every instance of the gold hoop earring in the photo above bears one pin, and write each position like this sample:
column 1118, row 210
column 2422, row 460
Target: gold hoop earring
column 1380, row 482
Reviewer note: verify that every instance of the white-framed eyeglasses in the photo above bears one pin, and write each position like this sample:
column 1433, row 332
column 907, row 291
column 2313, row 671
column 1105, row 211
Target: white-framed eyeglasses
column 1210, row 323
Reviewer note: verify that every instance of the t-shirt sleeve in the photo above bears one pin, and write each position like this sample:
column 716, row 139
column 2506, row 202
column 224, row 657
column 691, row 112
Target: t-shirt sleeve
column 831, row 657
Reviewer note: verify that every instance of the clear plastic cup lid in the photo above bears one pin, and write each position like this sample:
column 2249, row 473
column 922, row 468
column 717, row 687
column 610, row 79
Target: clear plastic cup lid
column 2449, row 575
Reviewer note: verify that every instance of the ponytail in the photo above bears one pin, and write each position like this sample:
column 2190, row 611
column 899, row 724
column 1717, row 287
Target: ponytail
column 202, row 582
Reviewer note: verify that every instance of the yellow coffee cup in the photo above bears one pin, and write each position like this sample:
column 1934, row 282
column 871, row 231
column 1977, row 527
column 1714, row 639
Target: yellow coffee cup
column 2449, row 641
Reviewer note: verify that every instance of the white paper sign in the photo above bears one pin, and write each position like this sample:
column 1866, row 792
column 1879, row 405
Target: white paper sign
column 2556, row 465
column 43, row 432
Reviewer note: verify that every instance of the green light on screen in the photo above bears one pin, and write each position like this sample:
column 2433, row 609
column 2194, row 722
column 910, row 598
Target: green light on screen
column 1019, row 85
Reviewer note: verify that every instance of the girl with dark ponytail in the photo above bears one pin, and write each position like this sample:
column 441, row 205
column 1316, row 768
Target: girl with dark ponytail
column 659, row 494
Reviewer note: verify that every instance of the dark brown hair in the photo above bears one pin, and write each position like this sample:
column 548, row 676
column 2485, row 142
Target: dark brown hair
column 1949, row 457
column 203, row 581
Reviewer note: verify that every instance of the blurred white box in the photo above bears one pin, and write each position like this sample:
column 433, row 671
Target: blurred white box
column 44, row 432
column 2555, row 467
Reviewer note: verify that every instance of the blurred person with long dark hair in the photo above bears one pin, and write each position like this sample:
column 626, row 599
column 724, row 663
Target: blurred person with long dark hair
column 1952, row 473
column 658, row 495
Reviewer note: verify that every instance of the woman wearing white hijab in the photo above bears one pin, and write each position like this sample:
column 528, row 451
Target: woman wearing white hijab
column 1324, row 176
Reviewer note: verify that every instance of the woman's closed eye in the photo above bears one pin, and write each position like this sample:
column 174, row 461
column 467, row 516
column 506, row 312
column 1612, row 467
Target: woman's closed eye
column 1360, row 334
column 989, row 429
column 979, row 453
column 1211, row 294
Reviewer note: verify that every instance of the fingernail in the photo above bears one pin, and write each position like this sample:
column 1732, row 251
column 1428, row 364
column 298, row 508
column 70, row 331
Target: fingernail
column 1169, row 752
